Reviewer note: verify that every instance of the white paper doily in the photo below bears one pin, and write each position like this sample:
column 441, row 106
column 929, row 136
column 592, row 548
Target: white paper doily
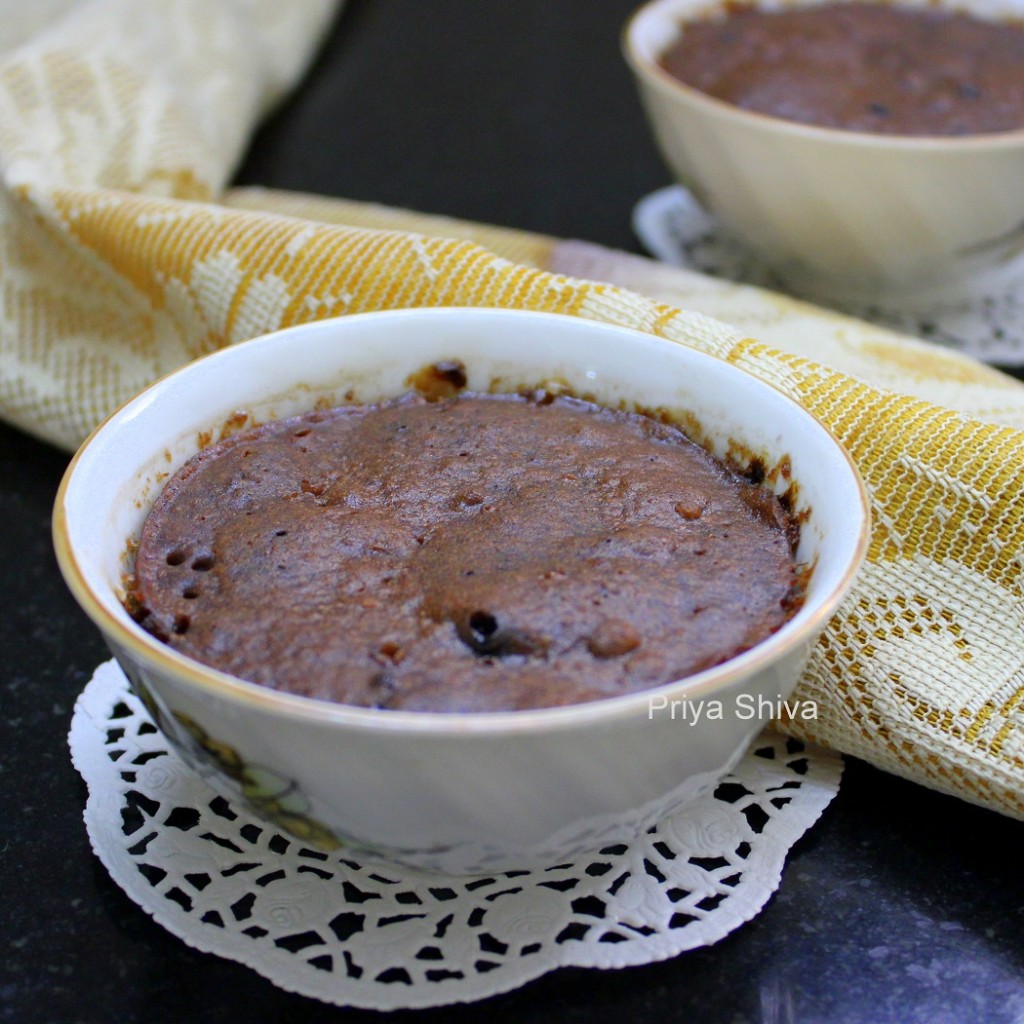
column 327, row 926
column 985, row 322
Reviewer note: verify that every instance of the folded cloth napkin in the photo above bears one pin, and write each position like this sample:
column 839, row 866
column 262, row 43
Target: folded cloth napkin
column 124, row 256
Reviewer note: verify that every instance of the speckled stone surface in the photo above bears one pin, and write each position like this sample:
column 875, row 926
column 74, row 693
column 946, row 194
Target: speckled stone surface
column 899, row 907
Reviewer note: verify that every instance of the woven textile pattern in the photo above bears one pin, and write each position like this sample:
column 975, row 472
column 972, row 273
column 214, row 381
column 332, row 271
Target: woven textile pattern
column 123, row 257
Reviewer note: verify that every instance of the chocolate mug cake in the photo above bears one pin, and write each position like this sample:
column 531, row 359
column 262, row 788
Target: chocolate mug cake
column 859, row 66
column 470, row 553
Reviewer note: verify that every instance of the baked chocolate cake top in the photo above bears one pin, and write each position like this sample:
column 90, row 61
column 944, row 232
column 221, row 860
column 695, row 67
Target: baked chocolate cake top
column 862, row 66
column 476, row 553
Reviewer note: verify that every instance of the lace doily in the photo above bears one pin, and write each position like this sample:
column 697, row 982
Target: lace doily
column 356, row 934
column 985, row 321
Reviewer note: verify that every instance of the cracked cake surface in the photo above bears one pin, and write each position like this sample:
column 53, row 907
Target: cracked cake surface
column 474, row 553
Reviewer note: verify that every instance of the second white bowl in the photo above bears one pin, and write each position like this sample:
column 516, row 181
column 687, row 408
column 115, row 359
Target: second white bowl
column 839, row 214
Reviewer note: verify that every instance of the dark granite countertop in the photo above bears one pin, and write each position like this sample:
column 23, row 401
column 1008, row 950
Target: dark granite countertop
column 900, row 906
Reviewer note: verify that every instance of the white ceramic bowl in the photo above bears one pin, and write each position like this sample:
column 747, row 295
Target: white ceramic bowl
column 462, row 793
column 839, row 214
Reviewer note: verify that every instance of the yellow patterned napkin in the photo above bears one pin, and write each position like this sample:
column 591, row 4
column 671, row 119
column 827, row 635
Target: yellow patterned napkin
column 123, row 257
